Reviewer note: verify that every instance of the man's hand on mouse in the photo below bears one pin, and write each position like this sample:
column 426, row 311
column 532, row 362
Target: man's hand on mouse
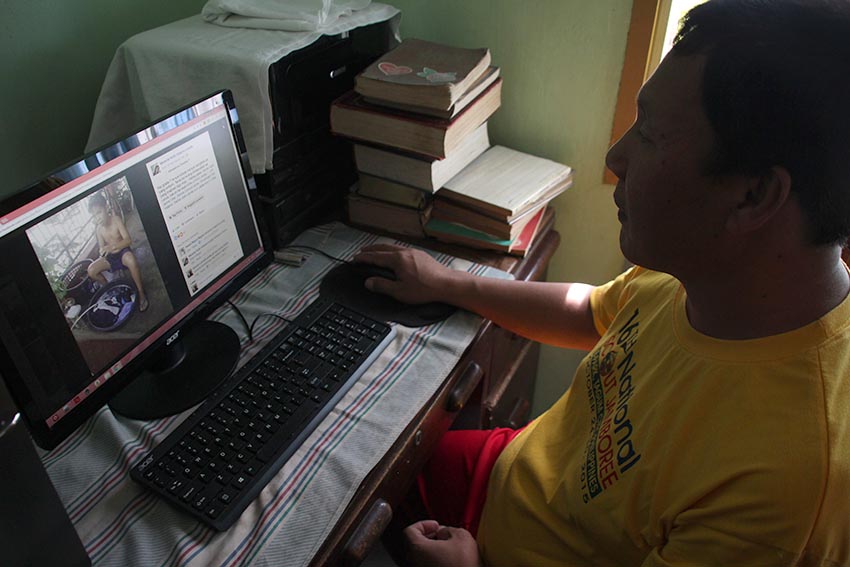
column 419, row 278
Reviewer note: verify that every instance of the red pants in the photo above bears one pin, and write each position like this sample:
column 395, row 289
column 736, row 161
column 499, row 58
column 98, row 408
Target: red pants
column 453, row 485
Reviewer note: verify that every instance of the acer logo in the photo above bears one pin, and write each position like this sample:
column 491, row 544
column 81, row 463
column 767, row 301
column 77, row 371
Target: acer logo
column 172, row 338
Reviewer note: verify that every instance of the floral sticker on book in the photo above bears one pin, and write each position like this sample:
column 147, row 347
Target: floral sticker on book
column 391, row 69
column 437, row 77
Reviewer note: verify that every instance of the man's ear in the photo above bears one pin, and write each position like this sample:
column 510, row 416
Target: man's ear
column 759, row 200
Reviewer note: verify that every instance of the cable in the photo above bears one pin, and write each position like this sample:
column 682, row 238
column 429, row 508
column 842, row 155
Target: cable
column 248, row 328
column 288, row 259
column 260, row 316
column 311, row 248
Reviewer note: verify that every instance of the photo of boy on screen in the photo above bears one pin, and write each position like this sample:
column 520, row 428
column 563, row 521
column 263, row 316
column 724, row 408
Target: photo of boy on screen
column 114, row 247
column 97, row 258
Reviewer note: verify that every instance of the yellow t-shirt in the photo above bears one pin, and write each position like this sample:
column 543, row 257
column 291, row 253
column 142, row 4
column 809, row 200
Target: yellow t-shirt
column 673, row 448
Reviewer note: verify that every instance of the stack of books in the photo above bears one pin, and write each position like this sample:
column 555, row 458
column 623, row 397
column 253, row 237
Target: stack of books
column 417, row 116
column 499, row 201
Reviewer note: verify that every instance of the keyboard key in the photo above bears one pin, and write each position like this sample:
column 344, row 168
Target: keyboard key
column 200, row 501
column 226, row 495
column 188, row 493
column 175, row 486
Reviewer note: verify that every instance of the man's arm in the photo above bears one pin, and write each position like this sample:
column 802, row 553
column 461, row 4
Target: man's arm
column 552, row 313
column 102, row 248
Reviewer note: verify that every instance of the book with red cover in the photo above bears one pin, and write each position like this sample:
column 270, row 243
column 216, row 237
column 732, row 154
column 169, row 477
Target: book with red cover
column 451, row 211
column 523, row 242
column 455, row 233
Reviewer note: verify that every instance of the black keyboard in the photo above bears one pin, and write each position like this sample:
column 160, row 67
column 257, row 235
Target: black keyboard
column 220, row 458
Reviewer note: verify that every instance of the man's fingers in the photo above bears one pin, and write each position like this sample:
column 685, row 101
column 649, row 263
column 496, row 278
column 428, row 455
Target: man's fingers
column 424, row 529
column 383, row 259
column 431, row 529
column 448, row 532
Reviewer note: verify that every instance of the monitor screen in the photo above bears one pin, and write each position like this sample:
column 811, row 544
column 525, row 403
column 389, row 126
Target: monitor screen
column 107, row 266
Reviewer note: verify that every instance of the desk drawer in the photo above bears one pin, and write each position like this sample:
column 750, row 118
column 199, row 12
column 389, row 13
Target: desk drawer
column 390, row 480
column 508, row 348
column 507, row 402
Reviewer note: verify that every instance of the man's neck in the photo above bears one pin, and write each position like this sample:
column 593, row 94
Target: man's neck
column 768, row 296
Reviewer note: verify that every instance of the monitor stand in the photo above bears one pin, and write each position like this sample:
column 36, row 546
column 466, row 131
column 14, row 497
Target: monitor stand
column 182, row 374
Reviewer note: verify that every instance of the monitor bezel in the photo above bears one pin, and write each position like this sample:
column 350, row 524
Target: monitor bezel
column 49, row 437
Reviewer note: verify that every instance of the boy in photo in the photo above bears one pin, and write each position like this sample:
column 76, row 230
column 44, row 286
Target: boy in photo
column 115, row 248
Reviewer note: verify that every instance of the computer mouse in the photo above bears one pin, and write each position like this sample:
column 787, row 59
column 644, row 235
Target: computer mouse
column 345, row 284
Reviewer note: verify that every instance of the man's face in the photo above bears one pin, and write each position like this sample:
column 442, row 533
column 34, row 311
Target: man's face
column 99, row 214
column 671, row 213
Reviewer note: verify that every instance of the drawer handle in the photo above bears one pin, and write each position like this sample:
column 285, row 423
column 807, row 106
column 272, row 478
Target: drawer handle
column 516, row 418
column 367, row 533
column 465, row 386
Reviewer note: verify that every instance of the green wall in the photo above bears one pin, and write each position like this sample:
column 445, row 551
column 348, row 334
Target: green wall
column 53, row 58
column 560, row 60
column 561, row 63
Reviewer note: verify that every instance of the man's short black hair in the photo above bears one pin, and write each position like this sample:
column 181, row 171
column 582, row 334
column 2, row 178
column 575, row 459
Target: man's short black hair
column 97, row 200
column 776, row 91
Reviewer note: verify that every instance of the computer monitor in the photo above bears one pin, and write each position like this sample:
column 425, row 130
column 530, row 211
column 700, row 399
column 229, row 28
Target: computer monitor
column 110, row 266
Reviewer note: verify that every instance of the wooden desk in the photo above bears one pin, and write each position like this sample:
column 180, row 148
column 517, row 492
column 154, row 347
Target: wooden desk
column 307, row 513
column 491, row 386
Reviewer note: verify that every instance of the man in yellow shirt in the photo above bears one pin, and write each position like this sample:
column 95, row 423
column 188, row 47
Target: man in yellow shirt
column 710, row 422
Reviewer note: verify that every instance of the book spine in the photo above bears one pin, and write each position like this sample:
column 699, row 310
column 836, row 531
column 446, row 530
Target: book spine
column 387, row 130
column 405, row 169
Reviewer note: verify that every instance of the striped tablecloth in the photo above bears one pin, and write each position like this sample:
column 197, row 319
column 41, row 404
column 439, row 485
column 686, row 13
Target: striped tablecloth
column 121, row 524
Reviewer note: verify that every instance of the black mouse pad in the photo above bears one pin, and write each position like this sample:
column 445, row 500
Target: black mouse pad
column 345, row 285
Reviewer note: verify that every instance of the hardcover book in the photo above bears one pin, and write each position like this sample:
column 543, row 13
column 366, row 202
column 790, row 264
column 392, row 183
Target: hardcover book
column 392, row 192
column 455, row 233
column 353, row 117
column 504, row 183
column 372, row 213
column 423, row 73
column 451, row 211
column 427, row 174
column 478, row 87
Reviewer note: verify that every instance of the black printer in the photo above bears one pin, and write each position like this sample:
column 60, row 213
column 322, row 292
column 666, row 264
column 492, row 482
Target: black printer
column 311, row 169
